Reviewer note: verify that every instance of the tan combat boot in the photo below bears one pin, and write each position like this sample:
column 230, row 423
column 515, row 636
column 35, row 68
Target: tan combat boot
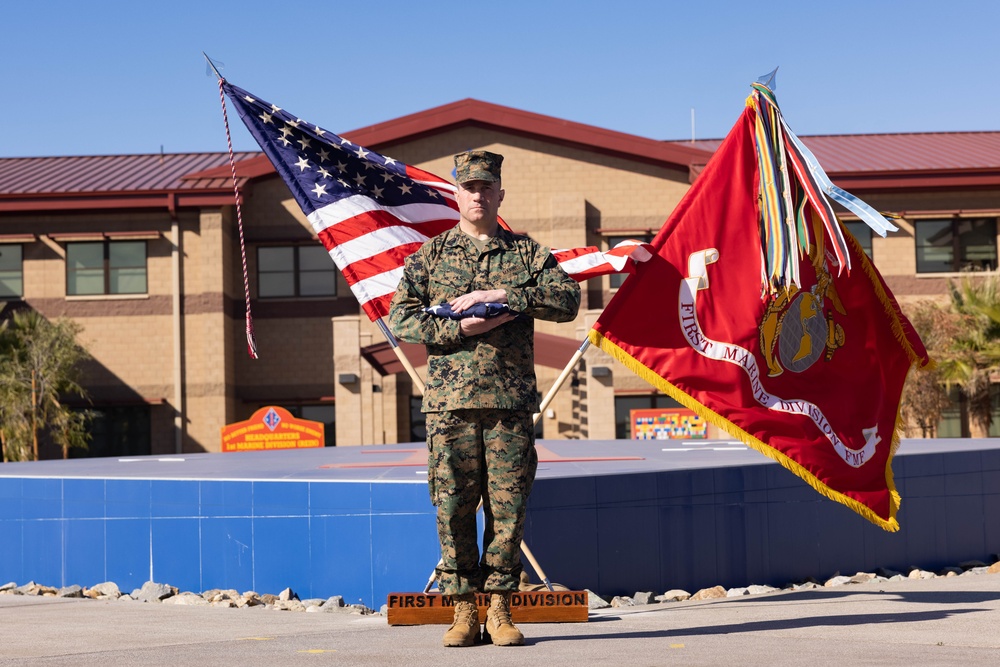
column 464, row 630
column 499, row 628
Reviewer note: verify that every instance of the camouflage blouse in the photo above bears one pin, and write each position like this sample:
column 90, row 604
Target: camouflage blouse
column 495, row 369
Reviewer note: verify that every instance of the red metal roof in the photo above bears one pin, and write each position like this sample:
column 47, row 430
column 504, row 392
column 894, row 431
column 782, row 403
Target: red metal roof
column 485, row 114
column 859, row 161
column 114, row 173
column 910, row 152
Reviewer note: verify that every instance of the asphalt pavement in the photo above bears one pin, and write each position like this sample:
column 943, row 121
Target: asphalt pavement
column 941, row 621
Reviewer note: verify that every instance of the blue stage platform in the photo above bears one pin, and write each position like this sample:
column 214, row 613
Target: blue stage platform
column 612, row 516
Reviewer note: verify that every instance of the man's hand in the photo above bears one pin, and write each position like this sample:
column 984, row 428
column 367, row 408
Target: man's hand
column 473, row 326
column 460, row 303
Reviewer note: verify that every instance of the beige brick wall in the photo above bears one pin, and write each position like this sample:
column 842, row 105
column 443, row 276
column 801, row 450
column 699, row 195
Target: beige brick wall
column 559, row 194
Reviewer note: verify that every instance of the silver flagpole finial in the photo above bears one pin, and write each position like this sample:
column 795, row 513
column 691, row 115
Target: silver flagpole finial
column 767, row 79
column 211, row 64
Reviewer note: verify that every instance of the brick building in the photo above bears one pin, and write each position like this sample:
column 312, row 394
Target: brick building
column 143, row 252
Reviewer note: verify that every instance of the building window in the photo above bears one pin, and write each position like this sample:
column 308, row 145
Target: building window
column 11, row 272
column 618, row 278
column 418, row 420
column 294, row 271
column 862, row 233
column 961, row 244
column 325, row 414
column 625, row 404
column 106, row 267
column 118, row 431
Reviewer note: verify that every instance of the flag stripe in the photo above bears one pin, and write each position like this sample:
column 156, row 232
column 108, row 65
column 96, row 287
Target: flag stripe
column 591, row 262
column 372, row 233
column 354, row 209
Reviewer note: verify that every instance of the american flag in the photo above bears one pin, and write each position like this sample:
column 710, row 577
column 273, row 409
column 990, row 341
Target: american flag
column 371, row 211
column 368, row 210
column 591, row 262
column 484, row 310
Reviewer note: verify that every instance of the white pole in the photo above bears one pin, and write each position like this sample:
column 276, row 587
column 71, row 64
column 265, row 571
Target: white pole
column 562, row 378
column 410, row 370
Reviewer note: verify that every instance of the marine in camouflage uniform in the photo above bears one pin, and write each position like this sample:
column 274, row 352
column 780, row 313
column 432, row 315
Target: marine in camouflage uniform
column 481, row 390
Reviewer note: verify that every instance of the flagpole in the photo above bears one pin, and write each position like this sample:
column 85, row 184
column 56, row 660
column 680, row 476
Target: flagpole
column 410, row 370
column 562, row 378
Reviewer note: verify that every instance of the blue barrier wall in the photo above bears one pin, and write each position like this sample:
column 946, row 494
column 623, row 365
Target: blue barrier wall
column 655, row 520
column 759, row 524
column 359, row 540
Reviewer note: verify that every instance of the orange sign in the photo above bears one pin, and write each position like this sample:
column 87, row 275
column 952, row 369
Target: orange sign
column 270, row 428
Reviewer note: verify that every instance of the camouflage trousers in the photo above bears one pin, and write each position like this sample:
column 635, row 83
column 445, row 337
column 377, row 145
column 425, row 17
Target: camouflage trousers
column 473, row 454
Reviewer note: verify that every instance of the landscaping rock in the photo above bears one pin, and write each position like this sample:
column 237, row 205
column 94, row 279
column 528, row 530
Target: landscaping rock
column 622, row 601
column 73, row 591
column 154, row 592
column 673, row 595
column 595, row 601
column 643, row 597
column 107, row 589
column 761, row 590
column 917, row 573
column 186, row 598
column 838, row 581
column 710, row 593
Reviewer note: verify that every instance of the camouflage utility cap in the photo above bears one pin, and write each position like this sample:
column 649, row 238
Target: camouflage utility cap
column 477, row 166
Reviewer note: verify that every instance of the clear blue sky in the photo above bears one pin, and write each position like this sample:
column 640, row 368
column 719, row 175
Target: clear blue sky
column 81, row 77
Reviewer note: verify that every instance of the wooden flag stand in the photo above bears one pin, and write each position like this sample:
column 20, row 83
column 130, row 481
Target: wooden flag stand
column 525, row 607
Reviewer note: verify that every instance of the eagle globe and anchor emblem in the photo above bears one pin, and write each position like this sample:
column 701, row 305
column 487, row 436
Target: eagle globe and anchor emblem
column 795, row 332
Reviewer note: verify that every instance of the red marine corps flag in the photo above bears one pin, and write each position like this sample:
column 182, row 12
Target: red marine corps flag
column 751, row 314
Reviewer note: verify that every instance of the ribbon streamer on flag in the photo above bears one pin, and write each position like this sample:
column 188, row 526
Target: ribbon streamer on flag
column 371, row 211
column 794, row 186
column 812, row 373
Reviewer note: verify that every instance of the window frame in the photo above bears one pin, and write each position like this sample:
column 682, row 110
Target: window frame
column 107, row 268
column 866, row 242
column 118, row 430
column 297, row 271
column 19, row 271
column 959, row 251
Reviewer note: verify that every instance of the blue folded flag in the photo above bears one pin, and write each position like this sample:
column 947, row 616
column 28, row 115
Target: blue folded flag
column 484, row 310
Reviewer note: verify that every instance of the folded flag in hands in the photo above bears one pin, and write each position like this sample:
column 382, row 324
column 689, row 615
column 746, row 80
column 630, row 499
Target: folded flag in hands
column 484, row 310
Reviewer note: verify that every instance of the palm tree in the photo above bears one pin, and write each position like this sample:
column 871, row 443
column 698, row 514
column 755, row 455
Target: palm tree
column 39, row 366
column 13, row 426
column 924, row 396
column 971, row 356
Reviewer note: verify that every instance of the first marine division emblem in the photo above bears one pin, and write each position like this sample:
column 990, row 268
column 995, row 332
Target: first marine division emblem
column 798, row 328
